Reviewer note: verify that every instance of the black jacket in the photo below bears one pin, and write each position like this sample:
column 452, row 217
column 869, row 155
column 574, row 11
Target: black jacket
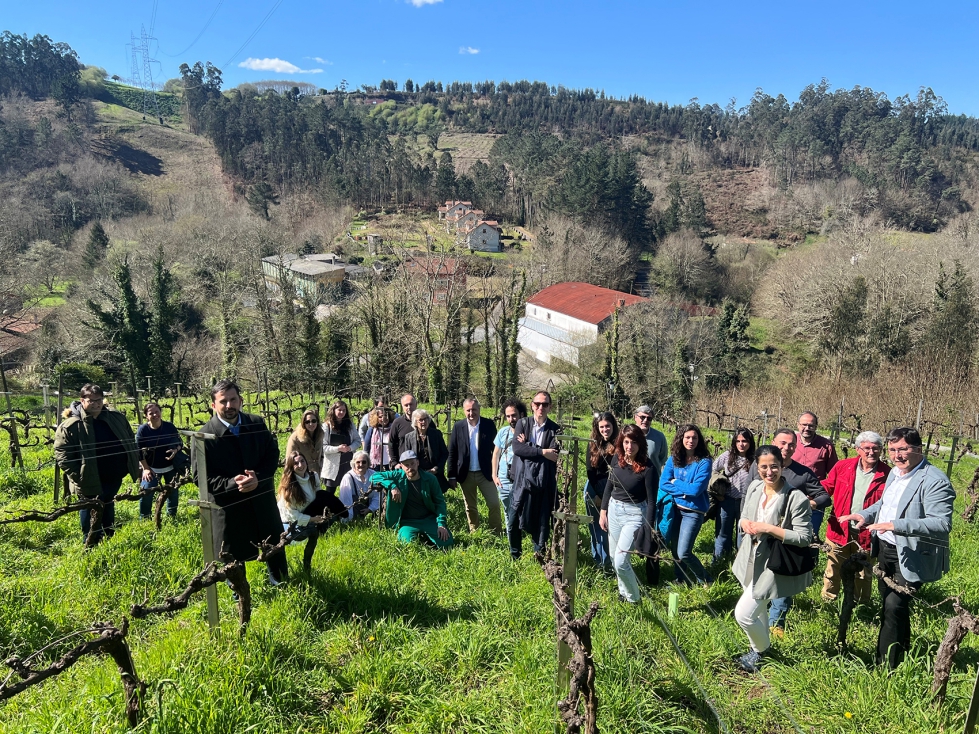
column 243, row 519
column 400, row 427
column 437, row 452
column 458, row 466
column 801, row 477
column 534, row 478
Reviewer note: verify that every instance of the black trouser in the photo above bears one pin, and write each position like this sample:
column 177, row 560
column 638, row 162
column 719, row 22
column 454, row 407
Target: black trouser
column 325, row 501
column 895, row 609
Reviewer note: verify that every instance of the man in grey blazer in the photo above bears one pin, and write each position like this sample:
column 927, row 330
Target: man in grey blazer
column 910, row 523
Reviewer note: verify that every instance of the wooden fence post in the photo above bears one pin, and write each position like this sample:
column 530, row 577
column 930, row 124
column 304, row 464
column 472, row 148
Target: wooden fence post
column 57, row 420
column 15, row 455
column 951, row 457
column 199, row 450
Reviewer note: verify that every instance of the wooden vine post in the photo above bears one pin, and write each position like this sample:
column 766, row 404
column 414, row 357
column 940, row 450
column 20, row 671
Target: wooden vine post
column 15, row 455
column 57, row 421
column 198, row 449
column 569, row 566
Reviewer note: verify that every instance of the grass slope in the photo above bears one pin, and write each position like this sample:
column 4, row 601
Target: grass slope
column 383, row 638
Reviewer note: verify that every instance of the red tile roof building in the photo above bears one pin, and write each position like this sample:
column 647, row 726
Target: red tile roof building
column 564, row 317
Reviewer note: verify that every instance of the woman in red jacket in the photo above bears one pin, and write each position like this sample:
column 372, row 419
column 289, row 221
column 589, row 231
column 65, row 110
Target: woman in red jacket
column 854, row 484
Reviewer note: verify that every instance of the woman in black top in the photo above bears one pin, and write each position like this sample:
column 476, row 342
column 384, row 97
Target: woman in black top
column 601, row 453
column 631, row 488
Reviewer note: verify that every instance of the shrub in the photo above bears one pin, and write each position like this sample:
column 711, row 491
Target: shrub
column 77, row 374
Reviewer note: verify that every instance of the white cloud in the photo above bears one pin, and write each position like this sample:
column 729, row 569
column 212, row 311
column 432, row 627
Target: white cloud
column 420, row 3
column 318, row 60
column 468, row 50
column 280, row 66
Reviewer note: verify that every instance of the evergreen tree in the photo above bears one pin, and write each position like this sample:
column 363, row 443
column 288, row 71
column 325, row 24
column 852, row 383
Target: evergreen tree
column 952, row 332
column 164, row 300
column 846, row 327
column 126, row 324
column 260, row 197
column 96, row 247
column 445, row 179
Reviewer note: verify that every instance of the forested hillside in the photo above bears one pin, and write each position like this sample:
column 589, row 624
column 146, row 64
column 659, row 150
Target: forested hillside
column 790, row 222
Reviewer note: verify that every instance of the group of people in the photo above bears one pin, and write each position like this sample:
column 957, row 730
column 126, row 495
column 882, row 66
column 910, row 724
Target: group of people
column 644, row 495
column 768, row 505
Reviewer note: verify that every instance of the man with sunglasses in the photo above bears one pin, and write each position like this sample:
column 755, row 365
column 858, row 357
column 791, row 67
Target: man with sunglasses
column 657, row 447
column 535, row 455
column 910, row 523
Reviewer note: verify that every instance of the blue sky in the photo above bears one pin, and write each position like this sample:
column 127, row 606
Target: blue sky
column 663, row 51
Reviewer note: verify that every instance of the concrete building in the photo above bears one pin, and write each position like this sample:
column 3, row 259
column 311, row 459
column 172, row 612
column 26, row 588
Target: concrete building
column 564, row 317
column 309, row 274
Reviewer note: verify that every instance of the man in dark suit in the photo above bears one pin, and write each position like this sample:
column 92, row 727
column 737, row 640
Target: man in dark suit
column 535, row 455
column 241, row 464
column 401, row 426
column 471, row 465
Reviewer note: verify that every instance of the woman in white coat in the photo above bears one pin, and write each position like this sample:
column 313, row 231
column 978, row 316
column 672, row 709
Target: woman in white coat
column 772, row 513
column 340, row 440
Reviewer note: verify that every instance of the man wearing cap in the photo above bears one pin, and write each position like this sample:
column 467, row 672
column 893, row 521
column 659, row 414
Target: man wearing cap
column 415, row 504
column 657, row 447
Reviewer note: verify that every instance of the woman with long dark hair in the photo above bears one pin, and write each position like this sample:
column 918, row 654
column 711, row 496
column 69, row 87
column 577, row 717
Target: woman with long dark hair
column 300, row 497
column 735, row 466
column 685, row 476
column 340, row 440
column 601, row 455
column 772, row 513
column 630, row 489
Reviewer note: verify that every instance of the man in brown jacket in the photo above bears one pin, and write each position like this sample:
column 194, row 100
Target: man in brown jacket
column 96, row 449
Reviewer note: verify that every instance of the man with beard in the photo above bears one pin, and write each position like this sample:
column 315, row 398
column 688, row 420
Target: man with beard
column 241, row 463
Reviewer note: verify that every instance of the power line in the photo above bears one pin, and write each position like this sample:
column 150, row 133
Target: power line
column 254, row 33
column 194, row 42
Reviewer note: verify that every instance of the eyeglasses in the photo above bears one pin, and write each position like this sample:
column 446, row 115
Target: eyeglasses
column 541, row 405
column 870, row 449
column 644, row 418
column 902, row 450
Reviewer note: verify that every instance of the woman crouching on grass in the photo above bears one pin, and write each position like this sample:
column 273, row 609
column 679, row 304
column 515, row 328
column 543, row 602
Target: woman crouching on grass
column 772, row 513
column 631, row 488
column 299, row 494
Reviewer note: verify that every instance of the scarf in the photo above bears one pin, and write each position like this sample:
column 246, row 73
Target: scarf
column 377, row 446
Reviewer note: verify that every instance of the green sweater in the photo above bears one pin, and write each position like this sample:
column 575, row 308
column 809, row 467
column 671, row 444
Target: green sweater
column 428, row 487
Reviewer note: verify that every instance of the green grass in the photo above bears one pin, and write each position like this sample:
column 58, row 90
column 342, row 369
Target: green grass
column 384, row 638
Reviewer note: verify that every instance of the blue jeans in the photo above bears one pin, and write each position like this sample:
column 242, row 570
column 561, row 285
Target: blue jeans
column 817, row 521
column 689, row 569
column 505, row 488
column 727, row 520
column 779, row 611
column 107, row 494
column 146, row 501
column 624, row 521
column 599, row 538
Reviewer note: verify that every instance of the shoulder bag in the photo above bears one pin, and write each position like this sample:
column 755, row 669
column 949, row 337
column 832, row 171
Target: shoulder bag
column 791, row 560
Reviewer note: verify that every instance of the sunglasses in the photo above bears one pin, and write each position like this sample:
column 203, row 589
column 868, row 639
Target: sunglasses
column 540, row 405
column 644, row 418
column 311, row 420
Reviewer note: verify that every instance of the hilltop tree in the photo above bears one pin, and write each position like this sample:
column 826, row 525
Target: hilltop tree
column 202, row 83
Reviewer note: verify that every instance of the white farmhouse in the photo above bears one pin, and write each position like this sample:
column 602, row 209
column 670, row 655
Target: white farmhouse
column 564, row 317
column 483, row 235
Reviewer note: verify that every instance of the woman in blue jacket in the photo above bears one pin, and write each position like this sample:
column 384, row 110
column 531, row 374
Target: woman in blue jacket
column 685, row 476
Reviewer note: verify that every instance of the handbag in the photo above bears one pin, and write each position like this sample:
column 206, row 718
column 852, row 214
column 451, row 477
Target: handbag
column 791, row 560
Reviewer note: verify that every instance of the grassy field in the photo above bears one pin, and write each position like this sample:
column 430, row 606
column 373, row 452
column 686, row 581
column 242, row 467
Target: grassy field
column 382, row 638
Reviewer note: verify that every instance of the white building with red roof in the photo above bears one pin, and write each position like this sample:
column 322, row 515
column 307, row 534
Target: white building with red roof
column 564, row 317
